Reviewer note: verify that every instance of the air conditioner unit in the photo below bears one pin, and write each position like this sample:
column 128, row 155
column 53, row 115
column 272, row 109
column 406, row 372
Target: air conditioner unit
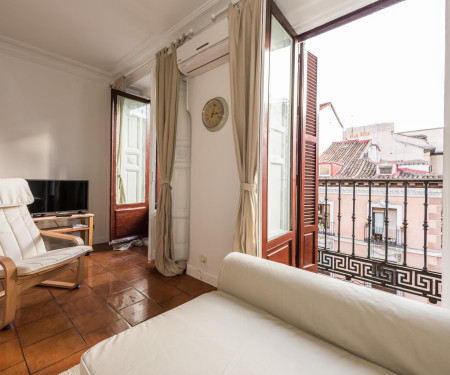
column 205, row 51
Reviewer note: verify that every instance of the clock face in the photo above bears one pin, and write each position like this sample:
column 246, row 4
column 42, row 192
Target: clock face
column 215, row 113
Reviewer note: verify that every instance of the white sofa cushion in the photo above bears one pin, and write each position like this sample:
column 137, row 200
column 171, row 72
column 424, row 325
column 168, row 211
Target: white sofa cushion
column 47, row 260
column 219, row 334
column 405, row 336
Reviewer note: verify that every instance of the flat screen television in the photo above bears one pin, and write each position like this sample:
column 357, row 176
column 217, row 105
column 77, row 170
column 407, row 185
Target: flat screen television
column 55, row 196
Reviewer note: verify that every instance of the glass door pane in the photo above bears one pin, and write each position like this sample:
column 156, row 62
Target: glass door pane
column 280, row 132
column 130, row 151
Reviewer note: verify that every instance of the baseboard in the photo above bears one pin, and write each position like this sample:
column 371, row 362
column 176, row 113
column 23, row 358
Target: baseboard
column 99, row 240
column 199, row 274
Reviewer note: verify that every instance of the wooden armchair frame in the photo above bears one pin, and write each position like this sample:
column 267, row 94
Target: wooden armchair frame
column 14, row 285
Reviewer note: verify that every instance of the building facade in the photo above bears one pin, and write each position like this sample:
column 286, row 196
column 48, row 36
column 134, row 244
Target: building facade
column 380, row 199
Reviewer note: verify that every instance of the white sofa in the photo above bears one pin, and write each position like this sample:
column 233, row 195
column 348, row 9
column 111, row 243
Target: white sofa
column 267, row 318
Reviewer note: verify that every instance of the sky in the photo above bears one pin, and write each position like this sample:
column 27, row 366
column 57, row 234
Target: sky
column 386, row 67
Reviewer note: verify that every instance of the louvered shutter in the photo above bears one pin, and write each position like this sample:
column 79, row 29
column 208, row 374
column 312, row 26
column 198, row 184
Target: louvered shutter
column 308, row 166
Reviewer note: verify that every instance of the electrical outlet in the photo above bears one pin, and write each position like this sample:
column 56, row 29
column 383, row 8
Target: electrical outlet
column 204, row 258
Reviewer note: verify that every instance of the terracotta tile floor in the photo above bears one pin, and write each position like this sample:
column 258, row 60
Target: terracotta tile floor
column 54, row 327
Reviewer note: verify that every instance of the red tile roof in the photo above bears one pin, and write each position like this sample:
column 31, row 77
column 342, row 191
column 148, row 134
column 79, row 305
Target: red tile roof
column 407, row 175
column 360, row 168
column 405, row 162
column 350, row 155
column 344, row 152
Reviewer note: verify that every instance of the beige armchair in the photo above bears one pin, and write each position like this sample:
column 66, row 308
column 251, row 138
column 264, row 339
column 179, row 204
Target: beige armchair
column 24, row 260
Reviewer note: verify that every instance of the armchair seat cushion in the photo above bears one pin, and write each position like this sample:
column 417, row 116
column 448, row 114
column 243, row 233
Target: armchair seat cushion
column 47, row 260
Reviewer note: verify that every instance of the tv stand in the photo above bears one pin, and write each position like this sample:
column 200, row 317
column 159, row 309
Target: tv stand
column 63, row 215
column 86, row 219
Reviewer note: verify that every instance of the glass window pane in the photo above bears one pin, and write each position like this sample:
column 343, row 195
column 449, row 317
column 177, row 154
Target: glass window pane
column 131, row 126
column 280, row 129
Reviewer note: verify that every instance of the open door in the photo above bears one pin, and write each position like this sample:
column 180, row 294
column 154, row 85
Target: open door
column 289, row 147
column 278, row 141
column 130, row 150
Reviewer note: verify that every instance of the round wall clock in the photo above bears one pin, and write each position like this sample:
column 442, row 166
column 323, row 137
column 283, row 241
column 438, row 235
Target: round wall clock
column 215, row 114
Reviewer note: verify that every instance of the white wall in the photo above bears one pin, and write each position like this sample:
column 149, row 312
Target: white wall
column 56, row 125
column 330, row 130
column 214, row 179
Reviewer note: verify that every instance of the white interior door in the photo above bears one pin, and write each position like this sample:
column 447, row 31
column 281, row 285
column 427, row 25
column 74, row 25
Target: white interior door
column 133, row 154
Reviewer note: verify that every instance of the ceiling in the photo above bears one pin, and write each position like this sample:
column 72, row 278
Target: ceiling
column 109, row 34
column 98, row 33
column 308, row 14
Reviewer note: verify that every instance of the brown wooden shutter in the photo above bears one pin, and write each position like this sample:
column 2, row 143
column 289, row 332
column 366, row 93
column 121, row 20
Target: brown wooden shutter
column 308, row 165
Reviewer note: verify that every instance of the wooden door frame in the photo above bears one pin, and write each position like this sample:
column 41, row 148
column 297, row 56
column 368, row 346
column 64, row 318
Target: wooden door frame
column 114, row 94
column 303, row 137
column 278, row 242
column 298, row 122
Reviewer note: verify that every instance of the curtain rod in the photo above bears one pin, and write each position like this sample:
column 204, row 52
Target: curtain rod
column 223, row 10
column 188, row 34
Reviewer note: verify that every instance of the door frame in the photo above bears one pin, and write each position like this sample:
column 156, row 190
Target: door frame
column 114, row 94
column 298, row 122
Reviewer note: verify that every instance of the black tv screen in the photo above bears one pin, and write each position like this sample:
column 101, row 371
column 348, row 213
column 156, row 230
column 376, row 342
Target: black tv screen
column 58, row 196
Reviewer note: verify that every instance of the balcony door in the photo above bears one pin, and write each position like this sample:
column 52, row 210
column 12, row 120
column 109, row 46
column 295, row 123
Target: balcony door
column 379, row 225
column 289, row 152
column 129, row 167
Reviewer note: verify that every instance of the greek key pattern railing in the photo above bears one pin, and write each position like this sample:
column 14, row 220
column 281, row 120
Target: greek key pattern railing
column 382, row 265
column 407, row 279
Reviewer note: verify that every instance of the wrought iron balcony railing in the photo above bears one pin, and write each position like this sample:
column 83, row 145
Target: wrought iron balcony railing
column 381, row 256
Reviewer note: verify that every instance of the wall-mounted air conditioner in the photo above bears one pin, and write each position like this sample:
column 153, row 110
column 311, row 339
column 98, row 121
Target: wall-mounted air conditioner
column 205, row 51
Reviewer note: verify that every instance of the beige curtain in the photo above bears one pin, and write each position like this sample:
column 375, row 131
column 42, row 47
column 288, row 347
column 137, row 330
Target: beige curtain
column 119, row 84
column 245, row 68
column 167, row 89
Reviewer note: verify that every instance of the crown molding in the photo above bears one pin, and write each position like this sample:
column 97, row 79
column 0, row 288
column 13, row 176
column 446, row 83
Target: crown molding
column 144, row 53
column 37, row 55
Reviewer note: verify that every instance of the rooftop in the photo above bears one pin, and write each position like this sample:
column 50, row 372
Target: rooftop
column 405, row 162
column 330, row 105
column 360, row 168
column 352, row 156
column 344, row 152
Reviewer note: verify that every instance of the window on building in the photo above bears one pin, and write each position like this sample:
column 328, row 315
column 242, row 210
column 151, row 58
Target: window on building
column 325, row 170
column 386, row 169
column 379, row 225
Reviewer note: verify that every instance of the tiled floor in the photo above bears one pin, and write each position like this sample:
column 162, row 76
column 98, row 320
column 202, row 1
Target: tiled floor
column 54, row 327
